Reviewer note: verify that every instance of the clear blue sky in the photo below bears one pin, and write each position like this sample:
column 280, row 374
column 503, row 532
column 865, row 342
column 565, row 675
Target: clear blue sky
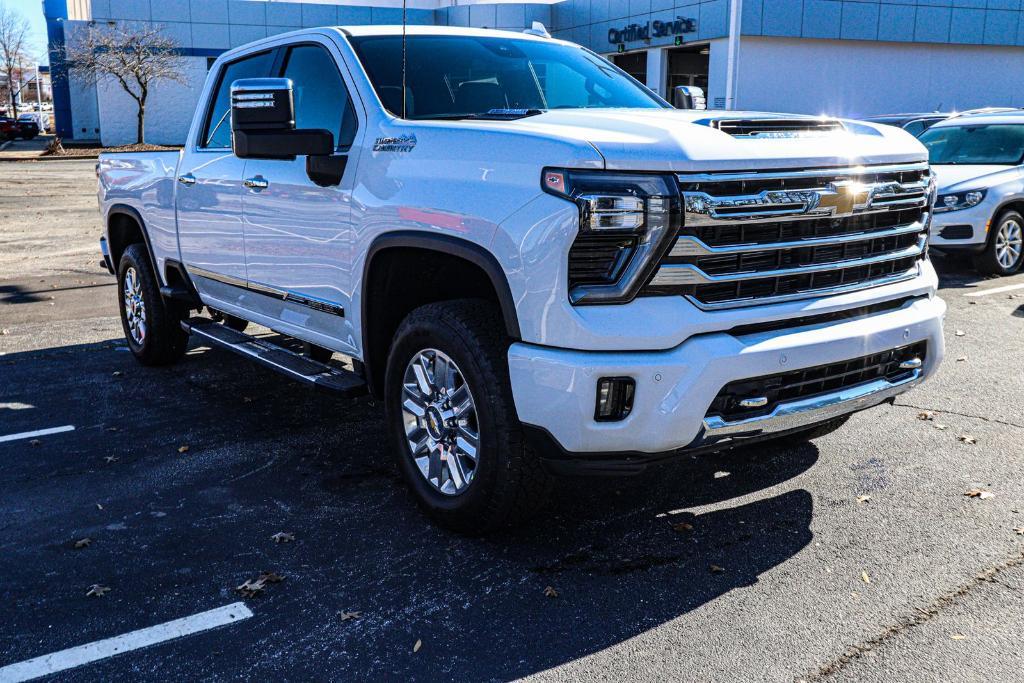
column 33, row 11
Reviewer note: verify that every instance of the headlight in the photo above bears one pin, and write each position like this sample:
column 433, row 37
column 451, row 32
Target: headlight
column 627, row 222
column 956, row 201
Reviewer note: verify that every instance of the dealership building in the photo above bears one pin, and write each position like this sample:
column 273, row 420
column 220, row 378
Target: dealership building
column 836, row 57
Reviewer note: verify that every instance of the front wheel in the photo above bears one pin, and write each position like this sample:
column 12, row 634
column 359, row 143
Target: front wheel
column 453, row 423
column 1004, row 251
column 151, row 325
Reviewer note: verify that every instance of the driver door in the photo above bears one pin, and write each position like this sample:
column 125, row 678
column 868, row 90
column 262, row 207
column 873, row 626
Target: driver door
column 298, row 234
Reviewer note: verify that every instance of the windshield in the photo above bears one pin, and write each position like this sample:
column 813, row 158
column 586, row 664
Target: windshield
column 465, row 76
column 997, row 144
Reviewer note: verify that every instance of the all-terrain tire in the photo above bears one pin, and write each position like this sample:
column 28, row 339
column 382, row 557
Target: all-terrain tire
column 159, row 340
column 508, row 483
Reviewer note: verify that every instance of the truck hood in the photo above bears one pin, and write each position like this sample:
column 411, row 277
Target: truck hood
column 958, row 178
column 686, row 140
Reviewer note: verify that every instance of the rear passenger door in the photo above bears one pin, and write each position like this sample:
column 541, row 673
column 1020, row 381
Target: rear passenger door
column 298, row 235
column 209, row 188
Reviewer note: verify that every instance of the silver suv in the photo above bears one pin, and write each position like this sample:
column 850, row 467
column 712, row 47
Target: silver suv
column 978, row 161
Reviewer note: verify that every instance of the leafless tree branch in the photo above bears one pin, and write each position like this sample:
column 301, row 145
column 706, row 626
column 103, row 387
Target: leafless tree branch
column 14, row 48
column 134, row 55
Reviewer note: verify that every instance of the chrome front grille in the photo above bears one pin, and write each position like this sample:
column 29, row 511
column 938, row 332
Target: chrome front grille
column 762, row 237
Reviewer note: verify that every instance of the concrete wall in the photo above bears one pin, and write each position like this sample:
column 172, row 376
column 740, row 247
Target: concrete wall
column 854, row 78
column 168, row 109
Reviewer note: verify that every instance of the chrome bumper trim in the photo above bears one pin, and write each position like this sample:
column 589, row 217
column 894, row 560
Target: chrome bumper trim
column 806, row 412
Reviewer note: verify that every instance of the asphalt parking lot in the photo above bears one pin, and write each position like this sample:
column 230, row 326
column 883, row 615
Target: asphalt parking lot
column 855, row 557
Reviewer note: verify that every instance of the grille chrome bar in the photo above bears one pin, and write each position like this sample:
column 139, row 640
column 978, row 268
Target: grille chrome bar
column 688, row 245
column 760, row 237
column 729, row 177
column 689, row 274
column 837, row 199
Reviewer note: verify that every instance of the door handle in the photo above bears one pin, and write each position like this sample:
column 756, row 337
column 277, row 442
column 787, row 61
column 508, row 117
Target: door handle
column 187, row 179
column 257, row 183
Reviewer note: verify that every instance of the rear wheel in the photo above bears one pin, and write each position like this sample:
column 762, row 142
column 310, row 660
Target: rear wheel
column 455, row 432
column 151, row 325
column 1004, row 252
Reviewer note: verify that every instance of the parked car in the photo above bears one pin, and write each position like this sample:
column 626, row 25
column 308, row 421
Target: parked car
column 27, row 129
column 915, row 124
column 8, row 128
column 536, row 263
column 979, row 164
column 42, row 122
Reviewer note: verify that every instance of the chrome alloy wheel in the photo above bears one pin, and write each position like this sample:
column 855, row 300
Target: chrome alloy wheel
column 1009, row 243
column 440, row 419
column 134, row 306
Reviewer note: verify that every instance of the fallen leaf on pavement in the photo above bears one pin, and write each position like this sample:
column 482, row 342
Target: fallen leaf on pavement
column 682, row 527
column 1020, row 530
column 5, row 332
column 961, row 359
column 282, row 537
column 116, row 373
column 345, row 616
column 97, row 591
column 941, row 427
column 34, row 442
column 863, row 499
column 967, row 439
column 82, row 543
column 111, row 458
column 550, row 592
column 980, row 493
column 417, row 646
column 715, row 569
column 255, row 586
column 960, row 333
column 183, row 449
column 958, row 636
column 926, row 415
column 719, row 475
column 98, row 506
column 864, row 577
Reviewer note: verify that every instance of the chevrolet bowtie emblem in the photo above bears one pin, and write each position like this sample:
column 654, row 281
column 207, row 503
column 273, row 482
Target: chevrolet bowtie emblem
column 843, row 197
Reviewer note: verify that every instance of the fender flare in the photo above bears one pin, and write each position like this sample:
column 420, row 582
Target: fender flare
column 455, row 246
column 133, row 213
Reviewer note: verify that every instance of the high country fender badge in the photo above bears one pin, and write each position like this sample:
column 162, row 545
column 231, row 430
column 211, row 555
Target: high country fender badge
column 403, row 143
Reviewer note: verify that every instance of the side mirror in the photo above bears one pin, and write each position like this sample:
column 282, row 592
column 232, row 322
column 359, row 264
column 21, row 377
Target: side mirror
column 688, row 97
column 263, row 122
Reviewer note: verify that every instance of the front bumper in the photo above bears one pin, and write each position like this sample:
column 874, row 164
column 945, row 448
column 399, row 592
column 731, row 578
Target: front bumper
column 965, row 230
column 555, row 389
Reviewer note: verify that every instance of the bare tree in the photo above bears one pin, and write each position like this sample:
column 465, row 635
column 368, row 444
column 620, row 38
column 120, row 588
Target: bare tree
column 14, row 46
column 136, row 56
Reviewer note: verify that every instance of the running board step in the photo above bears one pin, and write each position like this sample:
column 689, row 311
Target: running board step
column 319, row 375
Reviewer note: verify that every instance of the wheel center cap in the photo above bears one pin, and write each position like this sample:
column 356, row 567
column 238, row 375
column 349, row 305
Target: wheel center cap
column 435, row 423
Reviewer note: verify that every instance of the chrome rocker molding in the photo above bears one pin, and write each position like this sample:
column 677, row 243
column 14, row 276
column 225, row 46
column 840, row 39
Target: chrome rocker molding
column 806, row 412
column 258, row 288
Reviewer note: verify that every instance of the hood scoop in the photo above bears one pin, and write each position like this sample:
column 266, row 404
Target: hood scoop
column 776, row 128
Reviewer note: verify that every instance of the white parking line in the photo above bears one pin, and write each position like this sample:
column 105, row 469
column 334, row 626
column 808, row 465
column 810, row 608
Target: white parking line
column 101, row 649
column 995, row 290
column 38, row 432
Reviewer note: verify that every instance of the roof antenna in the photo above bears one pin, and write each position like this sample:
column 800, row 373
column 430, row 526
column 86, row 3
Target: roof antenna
column 404, row 23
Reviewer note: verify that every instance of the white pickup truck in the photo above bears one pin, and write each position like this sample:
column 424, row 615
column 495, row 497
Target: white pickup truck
column 536, row 262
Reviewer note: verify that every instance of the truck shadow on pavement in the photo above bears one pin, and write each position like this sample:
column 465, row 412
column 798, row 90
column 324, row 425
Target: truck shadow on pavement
column 174, row 532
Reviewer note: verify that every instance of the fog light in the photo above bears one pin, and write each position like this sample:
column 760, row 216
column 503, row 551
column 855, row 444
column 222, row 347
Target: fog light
column 614, row 398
